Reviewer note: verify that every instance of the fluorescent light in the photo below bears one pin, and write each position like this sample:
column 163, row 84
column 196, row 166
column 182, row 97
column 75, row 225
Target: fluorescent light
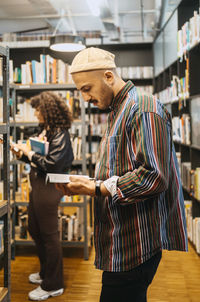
column 67, row 43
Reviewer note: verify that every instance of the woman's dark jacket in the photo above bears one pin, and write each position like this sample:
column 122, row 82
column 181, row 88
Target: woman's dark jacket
column 59, row 157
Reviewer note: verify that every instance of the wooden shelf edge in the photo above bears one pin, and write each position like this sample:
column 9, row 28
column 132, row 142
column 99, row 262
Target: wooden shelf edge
column 62, row 204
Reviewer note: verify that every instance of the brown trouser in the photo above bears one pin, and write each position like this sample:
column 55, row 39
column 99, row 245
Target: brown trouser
column 43, row 228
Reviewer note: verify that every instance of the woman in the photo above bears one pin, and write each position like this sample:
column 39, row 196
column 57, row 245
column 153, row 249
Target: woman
column 53, row 113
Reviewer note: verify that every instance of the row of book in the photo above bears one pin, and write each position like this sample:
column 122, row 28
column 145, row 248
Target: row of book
column 50, row 70
column 98, row 122
column 70, row 227
column 25, row 113
column 45, row 71
column 188, row 35
column 178, row 91
column 181, row 129
column 135, row 72
column 193, row 226
column 191, row 179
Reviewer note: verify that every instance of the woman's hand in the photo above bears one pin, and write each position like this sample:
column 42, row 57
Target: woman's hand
column 24, row 148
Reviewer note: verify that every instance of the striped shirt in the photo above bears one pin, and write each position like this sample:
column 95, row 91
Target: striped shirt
column 146, row 214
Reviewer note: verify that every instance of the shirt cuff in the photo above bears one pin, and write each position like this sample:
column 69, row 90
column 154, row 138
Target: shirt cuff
column 111, row 184
column 30, row 154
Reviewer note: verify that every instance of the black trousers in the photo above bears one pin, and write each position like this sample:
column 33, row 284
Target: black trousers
column 130, row 286
column 43, row 228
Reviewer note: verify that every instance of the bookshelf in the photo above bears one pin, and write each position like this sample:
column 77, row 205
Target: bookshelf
column 176, row 83
column 5, row 177
column 28, row 90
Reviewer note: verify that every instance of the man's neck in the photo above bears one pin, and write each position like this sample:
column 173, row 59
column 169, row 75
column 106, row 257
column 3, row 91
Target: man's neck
column 119, row 85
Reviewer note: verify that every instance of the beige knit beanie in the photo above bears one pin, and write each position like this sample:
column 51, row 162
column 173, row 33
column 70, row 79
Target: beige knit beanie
column 91, row 59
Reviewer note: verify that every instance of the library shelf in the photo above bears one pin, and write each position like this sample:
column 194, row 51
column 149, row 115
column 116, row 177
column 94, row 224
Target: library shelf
column 40, row 87
column 26, row 44
column 29, row 242
column 65, row 243
column 195, row 147
column 187, row 70
column 61, row 204
column 141, row 81
column 23, row 124
column 80, row 123
column 5, row 204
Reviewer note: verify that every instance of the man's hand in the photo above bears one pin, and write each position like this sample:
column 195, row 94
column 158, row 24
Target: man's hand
column 77, row 186
column 80, row 186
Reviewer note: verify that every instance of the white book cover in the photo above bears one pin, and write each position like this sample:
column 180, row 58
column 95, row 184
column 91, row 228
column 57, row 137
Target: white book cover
column 70, row 229
column 23, row 74
column 62, row 178
column 11, row 74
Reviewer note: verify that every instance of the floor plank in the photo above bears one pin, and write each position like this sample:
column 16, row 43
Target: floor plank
column 177, row 279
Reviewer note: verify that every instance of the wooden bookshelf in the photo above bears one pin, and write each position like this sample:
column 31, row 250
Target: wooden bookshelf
column 28, row 90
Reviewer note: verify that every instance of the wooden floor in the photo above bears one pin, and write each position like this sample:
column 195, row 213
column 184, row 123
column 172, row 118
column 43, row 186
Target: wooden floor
column 177, row 279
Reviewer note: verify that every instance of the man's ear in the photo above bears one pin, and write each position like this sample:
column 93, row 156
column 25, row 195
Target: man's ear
column 109, row 77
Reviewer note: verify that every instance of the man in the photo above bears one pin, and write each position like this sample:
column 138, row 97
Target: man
column 139, row 209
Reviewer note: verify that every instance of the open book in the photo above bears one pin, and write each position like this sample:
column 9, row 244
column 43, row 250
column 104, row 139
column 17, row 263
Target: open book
column 62, row 178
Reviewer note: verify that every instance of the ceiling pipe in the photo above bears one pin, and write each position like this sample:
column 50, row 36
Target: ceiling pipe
column 142, row 17
column 56, row 16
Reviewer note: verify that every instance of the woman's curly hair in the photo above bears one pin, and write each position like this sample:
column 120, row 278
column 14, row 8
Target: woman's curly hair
column 54, row 110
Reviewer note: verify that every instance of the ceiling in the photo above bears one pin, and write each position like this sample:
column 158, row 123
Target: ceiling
column 119, row 21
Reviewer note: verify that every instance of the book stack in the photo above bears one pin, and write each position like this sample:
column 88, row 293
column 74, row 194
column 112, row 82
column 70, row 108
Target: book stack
column 181, row 129
column 135, row 72
column 25, row 112
column 45, row 71
column 178, row 91
column 193, row 225
column 23, row 225
column 189, row 35
column 71, row 226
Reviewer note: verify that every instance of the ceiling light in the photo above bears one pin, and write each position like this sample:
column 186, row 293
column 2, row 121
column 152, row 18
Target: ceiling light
column 67, row 43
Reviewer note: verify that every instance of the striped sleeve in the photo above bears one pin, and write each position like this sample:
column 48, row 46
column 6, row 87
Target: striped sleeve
column 150, row 138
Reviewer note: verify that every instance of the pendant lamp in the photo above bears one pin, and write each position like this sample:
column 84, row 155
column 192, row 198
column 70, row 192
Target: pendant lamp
column 67, row 43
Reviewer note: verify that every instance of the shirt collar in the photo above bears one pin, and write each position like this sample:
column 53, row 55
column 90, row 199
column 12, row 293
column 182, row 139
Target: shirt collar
column 121, row 95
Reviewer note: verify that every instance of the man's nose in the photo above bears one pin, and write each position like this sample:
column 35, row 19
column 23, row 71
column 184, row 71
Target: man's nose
column 86, row 97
